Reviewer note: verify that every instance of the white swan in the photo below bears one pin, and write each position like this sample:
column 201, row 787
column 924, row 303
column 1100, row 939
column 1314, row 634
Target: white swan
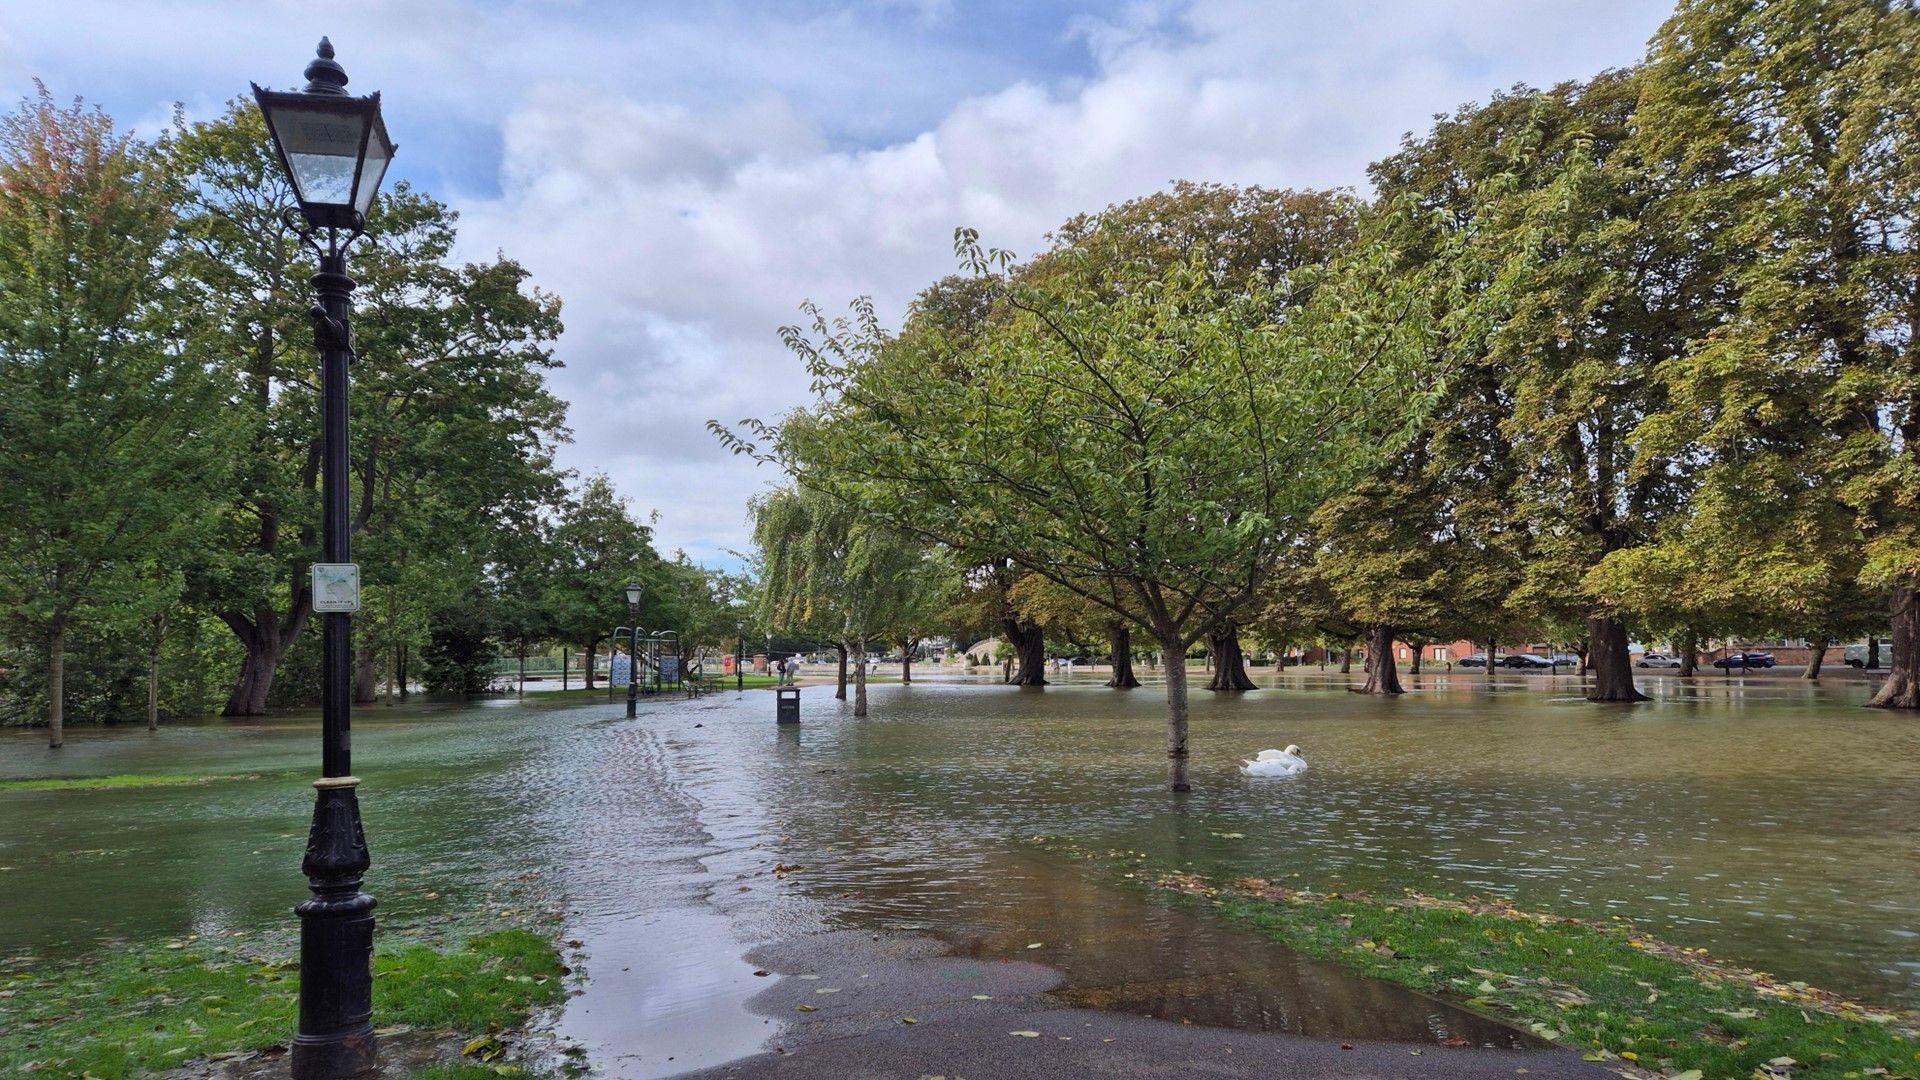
column 1288, row 762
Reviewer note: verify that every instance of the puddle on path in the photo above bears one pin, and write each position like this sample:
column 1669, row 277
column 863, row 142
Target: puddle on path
column 1120, row 949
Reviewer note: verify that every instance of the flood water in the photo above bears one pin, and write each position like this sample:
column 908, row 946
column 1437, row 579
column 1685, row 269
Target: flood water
column 1771, row 822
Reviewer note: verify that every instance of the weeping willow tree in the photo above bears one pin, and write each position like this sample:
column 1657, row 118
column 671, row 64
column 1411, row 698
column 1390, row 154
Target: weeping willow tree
column 826, row 573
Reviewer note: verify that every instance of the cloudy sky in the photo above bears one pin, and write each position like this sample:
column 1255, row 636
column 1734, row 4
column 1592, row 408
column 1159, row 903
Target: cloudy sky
column 684, row 174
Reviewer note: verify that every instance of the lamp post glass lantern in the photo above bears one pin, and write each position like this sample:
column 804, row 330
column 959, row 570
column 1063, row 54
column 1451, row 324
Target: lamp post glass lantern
column 333, row 146
column 335, row 150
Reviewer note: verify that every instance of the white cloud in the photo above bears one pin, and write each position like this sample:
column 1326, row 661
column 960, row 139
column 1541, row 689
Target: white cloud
column 683, row 175
column 680, row 238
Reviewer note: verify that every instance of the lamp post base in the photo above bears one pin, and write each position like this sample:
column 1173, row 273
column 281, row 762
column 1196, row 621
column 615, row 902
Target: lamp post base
column 335, row 1040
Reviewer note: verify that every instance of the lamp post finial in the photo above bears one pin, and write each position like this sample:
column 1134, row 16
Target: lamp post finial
column 324, row 74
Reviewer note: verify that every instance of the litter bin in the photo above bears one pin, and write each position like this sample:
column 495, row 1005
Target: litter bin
column 787, row 705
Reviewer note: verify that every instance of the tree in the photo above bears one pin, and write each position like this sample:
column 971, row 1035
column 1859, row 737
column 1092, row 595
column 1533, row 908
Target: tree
column 1398, row 563
column 461, row 644
column 600, row 546
column 453, row 425
column 1790, row 132
column 1071, row 614
column 1136, row 433
column 1587, row 286
column 826, row 570
column 110, row 438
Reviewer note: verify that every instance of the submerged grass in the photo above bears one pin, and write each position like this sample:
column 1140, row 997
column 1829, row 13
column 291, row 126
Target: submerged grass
column 122, row 780
column 139, row 1013
column 1641, row 1005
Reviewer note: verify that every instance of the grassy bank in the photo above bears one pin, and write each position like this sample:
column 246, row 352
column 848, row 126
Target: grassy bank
column 130, row 1013
column 122, row 780
column 1640, row 1005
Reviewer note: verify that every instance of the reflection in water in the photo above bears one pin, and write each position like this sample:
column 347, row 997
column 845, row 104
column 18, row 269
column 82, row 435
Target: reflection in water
column 1121, row 950
column 662, row 837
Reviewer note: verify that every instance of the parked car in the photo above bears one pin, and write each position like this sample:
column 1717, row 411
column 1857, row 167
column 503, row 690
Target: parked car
column 1745, row 660
column 1566, row 660
column 1856, row 656
column 1527, row 662
column 1476, row 660
column 1657, row 659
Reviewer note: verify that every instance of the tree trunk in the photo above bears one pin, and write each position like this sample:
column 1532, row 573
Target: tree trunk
column 1816, row 657
column 159, row 622
column 859, row 676
column 153, row 691
column 366, row 677
column 1612, row 664
column 521, row 686
column 57, row 684
column 906, row 660
column 1873, row 653
column 593, row 647
column 266, row 637
column 1346, row 660
column 1030, row 650
column 1491, row 646
column 1383, row 675
column 1120, row 655
column 400, row 669
column 1689, row 661
column 1230, row 663
column 249, row 696
column 840, row 689
column 1414, row 668
column 1902, row 688
column 1176, row 710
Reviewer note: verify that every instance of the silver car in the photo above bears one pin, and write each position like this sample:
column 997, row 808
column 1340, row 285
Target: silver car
column 1655, row 659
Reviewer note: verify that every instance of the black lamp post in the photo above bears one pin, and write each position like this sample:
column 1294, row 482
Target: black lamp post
column 739, row 657
column 335, row 150
column 633, row 650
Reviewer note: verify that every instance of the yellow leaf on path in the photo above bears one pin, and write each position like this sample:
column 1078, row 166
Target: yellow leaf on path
column 1036, row 944
column 807, row 1008
column 1025, row 1034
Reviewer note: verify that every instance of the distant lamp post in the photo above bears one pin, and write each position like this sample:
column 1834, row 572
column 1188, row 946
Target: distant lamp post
column 739, row 657
column 335, row 151
column 633, row 650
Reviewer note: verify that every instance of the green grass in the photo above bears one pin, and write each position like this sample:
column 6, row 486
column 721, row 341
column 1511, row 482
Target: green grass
column 138, row 1013
column 1605, row 989
column 465, row 1070
column 122, row 780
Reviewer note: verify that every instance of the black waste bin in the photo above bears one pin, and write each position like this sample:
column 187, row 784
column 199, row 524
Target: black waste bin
column 787, row 704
